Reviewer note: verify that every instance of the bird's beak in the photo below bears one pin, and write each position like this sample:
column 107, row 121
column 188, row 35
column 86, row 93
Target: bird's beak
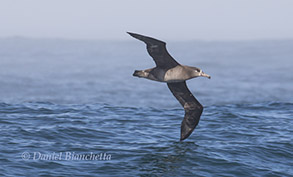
column 205, row 75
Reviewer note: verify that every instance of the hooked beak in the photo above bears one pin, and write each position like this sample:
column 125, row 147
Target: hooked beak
column 205, row 75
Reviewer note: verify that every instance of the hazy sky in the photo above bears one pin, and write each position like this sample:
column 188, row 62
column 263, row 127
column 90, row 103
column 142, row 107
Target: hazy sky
column 167, row 19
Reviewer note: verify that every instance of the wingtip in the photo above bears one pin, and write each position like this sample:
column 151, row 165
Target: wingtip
column 145, row 39
column 183, row 137
column 130, row 33
column 137, row 36
column 185, row 133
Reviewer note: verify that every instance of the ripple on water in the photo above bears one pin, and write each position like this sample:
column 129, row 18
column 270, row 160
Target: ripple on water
column 236, row 139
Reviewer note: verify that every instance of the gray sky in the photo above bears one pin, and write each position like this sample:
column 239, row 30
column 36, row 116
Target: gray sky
column 166, row 19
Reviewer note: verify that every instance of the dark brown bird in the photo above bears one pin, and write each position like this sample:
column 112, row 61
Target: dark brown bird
column 174, row 74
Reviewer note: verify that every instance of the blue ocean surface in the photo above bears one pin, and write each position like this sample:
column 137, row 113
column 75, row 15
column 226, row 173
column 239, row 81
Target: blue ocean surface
column 73, row 108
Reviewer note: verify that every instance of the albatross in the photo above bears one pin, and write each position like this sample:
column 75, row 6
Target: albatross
column 168, row 70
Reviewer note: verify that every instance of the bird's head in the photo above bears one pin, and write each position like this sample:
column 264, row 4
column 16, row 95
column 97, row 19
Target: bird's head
column 199, row 73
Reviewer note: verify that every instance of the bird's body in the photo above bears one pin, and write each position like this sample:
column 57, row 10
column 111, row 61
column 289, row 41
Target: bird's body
column 170, row 71
column 178, row 73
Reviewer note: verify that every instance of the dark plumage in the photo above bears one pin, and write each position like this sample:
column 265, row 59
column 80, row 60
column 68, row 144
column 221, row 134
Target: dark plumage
column 170, row 71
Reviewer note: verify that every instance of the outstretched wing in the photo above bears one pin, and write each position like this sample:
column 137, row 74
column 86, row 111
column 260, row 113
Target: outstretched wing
column 157, row 50
column 192, row 107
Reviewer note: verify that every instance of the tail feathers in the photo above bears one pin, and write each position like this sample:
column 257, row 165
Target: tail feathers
column 136, row 73
column 139, row 73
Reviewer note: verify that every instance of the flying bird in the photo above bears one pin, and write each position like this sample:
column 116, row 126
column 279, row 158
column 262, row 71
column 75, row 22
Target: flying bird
column 168, row 70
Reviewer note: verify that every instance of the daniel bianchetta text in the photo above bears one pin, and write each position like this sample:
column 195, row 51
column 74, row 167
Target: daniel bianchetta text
column 70, row 156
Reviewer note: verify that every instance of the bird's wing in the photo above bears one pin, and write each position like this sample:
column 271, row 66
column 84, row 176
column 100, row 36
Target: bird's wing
column 157, row 50
column 192, row 107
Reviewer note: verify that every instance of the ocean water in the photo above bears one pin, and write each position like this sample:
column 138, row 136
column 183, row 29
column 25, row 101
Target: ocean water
column 72, row 108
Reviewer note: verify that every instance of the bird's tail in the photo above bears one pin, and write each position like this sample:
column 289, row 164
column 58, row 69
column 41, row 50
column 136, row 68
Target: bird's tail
column 139, row 73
